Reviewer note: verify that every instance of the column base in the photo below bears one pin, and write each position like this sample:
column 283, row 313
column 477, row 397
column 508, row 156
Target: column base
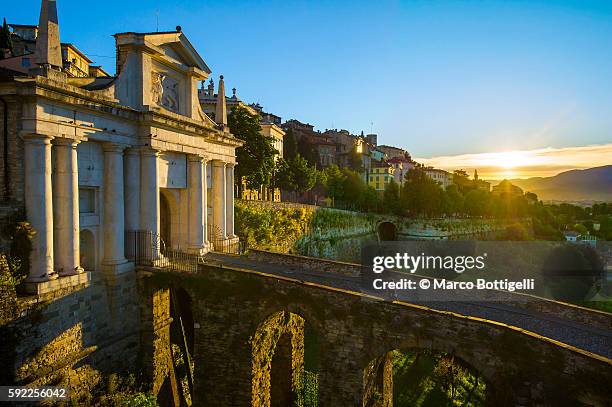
column 76, row 271
column 200, row 250
column 42, row 279
column 42, row 287
column 117, row 267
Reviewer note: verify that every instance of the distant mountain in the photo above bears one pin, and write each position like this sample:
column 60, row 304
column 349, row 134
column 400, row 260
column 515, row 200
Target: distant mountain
column 593, row 184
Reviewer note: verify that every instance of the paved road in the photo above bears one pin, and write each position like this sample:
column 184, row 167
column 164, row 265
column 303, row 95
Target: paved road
column 582, row 336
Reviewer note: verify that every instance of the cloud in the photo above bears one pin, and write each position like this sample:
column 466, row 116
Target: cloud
column 544, row 162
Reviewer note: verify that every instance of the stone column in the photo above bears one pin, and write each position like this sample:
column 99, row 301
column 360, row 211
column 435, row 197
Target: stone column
column 218, row 196
column 132, row 189
column 197, row 203
column 149, row 196
column 66, row 208
column 114, row 212
column 229, row 200
column 39, row 206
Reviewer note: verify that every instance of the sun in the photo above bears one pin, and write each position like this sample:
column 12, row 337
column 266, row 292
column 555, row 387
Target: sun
column 510, row 159
column 506, row 159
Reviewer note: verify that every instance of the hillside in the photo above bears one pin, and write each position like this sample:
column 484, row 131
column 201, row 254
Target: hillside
column 593, row 184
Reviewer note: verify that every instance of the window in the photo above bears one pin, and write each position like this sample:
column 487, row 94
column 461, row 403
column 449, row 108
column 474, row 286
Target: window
column 87, row 200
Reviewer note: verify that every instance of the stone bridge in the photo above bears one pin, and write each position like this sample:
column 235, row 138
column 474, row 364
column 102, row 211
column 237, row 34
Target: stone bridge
column 245, row 320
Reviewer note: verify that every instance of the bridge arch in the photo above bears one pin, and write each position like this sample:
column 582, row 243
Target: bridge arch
column 386, row 231
column 282, row 348
column 413, row 374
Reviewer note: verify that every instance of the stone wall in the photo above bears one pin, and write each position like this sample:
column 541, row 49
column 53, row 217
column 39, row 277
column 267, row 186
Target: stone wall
column 13, row 191
column 354, row 329
column 74, row 337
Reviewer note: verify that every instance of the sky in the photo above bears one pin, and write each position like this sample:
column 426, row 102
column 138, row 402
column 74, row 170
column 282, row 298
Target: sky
column 438, row 78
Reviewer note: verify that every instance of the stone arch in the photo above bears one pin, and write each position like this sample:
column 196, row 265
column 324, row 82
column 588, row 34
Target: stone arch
column 387, row 231
column 278, row 361
column 87, row 249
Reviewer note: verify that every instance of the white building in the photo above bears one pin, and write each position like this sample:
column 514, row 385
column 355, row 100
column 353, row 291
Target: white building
column 444, row 178
column 91, row 158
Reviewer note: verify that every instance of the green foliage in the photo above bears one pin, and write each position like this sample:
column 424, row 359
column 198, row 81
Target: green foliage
column 421, row 195
column 140, row 400
column 256, row 157
column 462, row 180
column 290, row 146
column 269, row 227
column 304, row 176
column 391, row 198
column 308, row 151
column 334, row 179
column 295, row 175
column 423, row 379
column 6, row 42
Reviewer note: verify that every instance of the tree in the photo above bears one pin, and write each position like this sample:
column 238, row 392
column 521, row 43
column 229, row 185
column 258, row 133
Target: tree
column 477, row 203
column 462, row 180
column 353, row 188
column 334, row 182
column 304, row 176
column 308, row 151
column 290, row 146
column 453, row 200
column 354, row 160
column 256, row 157
column 369, row 200
column 421, row 195
column 391, row 198
column 6, row 42
column 284, row 175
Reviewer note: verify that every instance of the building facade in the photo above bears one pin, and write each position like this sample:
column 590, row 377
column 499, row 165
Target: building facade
column 92, row 158
column 444, row 178
column 381, row 175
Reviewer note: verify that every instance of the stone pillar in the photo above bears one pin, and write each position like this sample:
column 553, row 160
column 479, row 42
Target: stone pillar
column 39, row 206
column 66, row 208
column 132, row 189
column 197, row 203
column 229, row 200
column 218, row 196
column 114, row 211
column 149, row 196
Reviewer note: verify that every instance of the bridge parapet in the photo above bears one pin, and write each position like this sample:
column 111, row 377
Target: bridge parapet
column 560, row 310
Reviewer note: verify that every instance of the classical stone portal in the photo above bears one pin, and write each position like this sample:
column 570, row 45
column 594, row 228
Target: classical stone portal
column 102, row 156
column 249, row 347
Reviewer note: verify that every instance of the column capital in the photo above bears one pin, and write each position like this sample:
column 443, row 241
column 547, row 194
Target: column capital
column 37, row 138
column 65, row 142
column 197, row 157
column 231, row 165
column 218, row 163
column 132, row 150
column 113, row 147
column 149, row 151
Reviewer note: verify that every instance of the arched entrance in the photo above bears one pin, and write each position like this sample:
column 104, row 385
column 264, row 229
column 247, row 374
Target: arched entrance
column 87, row 249
column 387, row 231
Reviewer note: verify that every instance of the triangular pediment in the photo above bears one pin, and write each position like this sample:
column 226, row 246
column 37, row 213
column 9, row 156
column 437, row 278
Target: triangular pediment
column 177, row 47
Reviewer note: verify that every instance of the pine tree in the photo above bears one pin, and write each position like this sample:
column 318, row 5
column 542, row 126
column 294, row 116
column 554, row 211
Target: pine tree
column 6, row 42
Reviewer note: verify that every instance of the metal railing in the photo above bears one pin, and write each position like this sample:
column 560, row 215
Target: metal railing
column 146, row 248
column 221, row 244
